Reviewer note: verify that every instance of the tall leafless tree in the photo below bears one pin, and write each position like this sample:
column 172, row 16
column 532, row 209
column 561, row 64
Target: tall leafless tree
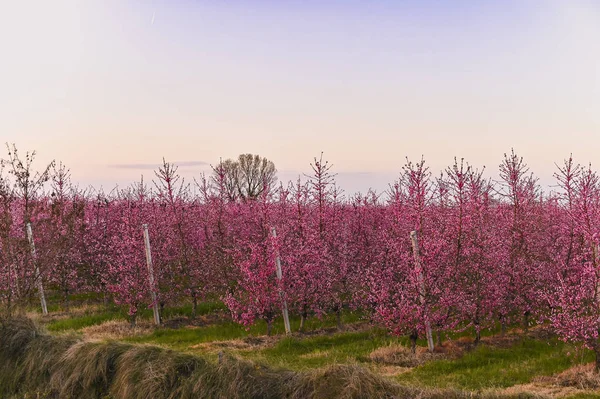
column 247, row 177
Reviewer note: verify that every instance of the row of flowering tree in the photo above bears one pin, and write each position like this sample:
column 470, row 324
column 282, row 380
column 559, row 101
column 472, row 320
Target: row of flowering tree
column 432, row 255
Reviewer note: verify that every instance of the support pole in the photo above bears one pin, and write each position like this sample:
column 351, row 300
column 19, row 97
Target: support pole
column 417, row 255
column 151, row 274
column 38, row 277
column 286, row 317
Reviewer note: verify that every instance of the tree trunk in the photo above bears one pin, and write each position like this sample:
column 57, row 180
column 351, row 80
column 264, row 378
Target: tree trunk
column 302, row 321
column 413, row 342
column 526, row 321
column 477, row 332
column 9, row 307
column 338, row 316
column 194, row 305
column 439, row 338
column 132, row 320
column 269, row 327
column 66, row 300
column 17, row 286
column 502, row 326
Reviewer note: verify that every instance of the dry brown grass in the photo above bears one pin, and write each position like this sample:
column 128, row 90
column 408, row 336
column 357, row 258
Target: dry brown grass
column 580, row 377
column 86, row 369
column 217, row 346
column 249, row 343
column 347, row 381
column 539, row 391
column 454, row 349
column 316, row 354
column 152, row 372
column 236, row 379
column 391, row 371
column 398, row 355
column 458, row 347
column 26, row 356
column 117, row 329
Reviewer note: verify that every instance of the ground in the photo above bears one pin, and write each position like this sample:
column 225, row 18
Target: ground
column 533, row 363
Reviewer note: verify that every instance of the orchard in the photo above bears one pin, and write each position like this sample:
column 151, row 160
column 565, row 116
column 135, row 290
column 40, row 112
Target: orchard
column 430, row 256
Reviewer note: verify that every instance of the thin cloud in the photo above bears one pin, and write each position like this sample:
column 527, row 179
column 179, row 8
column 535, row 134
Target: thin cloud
column 152, row 166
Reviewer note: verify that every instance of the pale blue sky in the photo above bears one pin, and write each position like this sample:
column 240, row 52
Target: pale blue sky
column 101, row 84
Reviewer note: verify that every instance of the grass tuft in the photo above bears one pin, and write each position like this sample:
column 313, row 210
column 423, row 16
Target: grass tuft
column 580, row 377
column 86, row 369
column 400, row 355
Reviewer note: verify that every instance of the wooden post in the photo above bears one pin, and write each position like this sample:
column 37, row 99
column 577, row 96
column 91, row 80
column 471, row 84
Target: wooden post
column 286, row 317
column 38, row 277
column 151, row 274
column 415, row 245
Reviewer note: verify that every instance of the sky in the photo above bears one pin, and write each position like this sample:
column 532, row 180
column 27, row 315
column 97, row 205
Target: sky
column 111, row 87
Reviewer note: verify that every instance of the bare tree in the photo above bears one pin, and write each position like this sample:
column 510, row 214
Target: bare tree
column 247, row 177
column 28, row 184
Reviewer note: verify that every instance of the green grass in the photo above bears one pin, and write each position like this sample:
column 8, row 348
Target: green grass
column 54, row 300
column 103, row 314
column 181, row 339
column 299, row 353
column 184, row 310
column 487, row 367
column 79, row 322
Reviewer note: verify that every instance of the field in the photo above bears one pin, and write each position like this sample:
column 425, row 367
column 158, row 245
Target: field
column 518, row 364
column 452, row 286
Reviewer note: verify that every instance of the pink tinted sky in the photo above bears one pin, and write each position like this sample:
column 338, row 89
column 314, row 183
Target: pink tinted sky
column 110, row 87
